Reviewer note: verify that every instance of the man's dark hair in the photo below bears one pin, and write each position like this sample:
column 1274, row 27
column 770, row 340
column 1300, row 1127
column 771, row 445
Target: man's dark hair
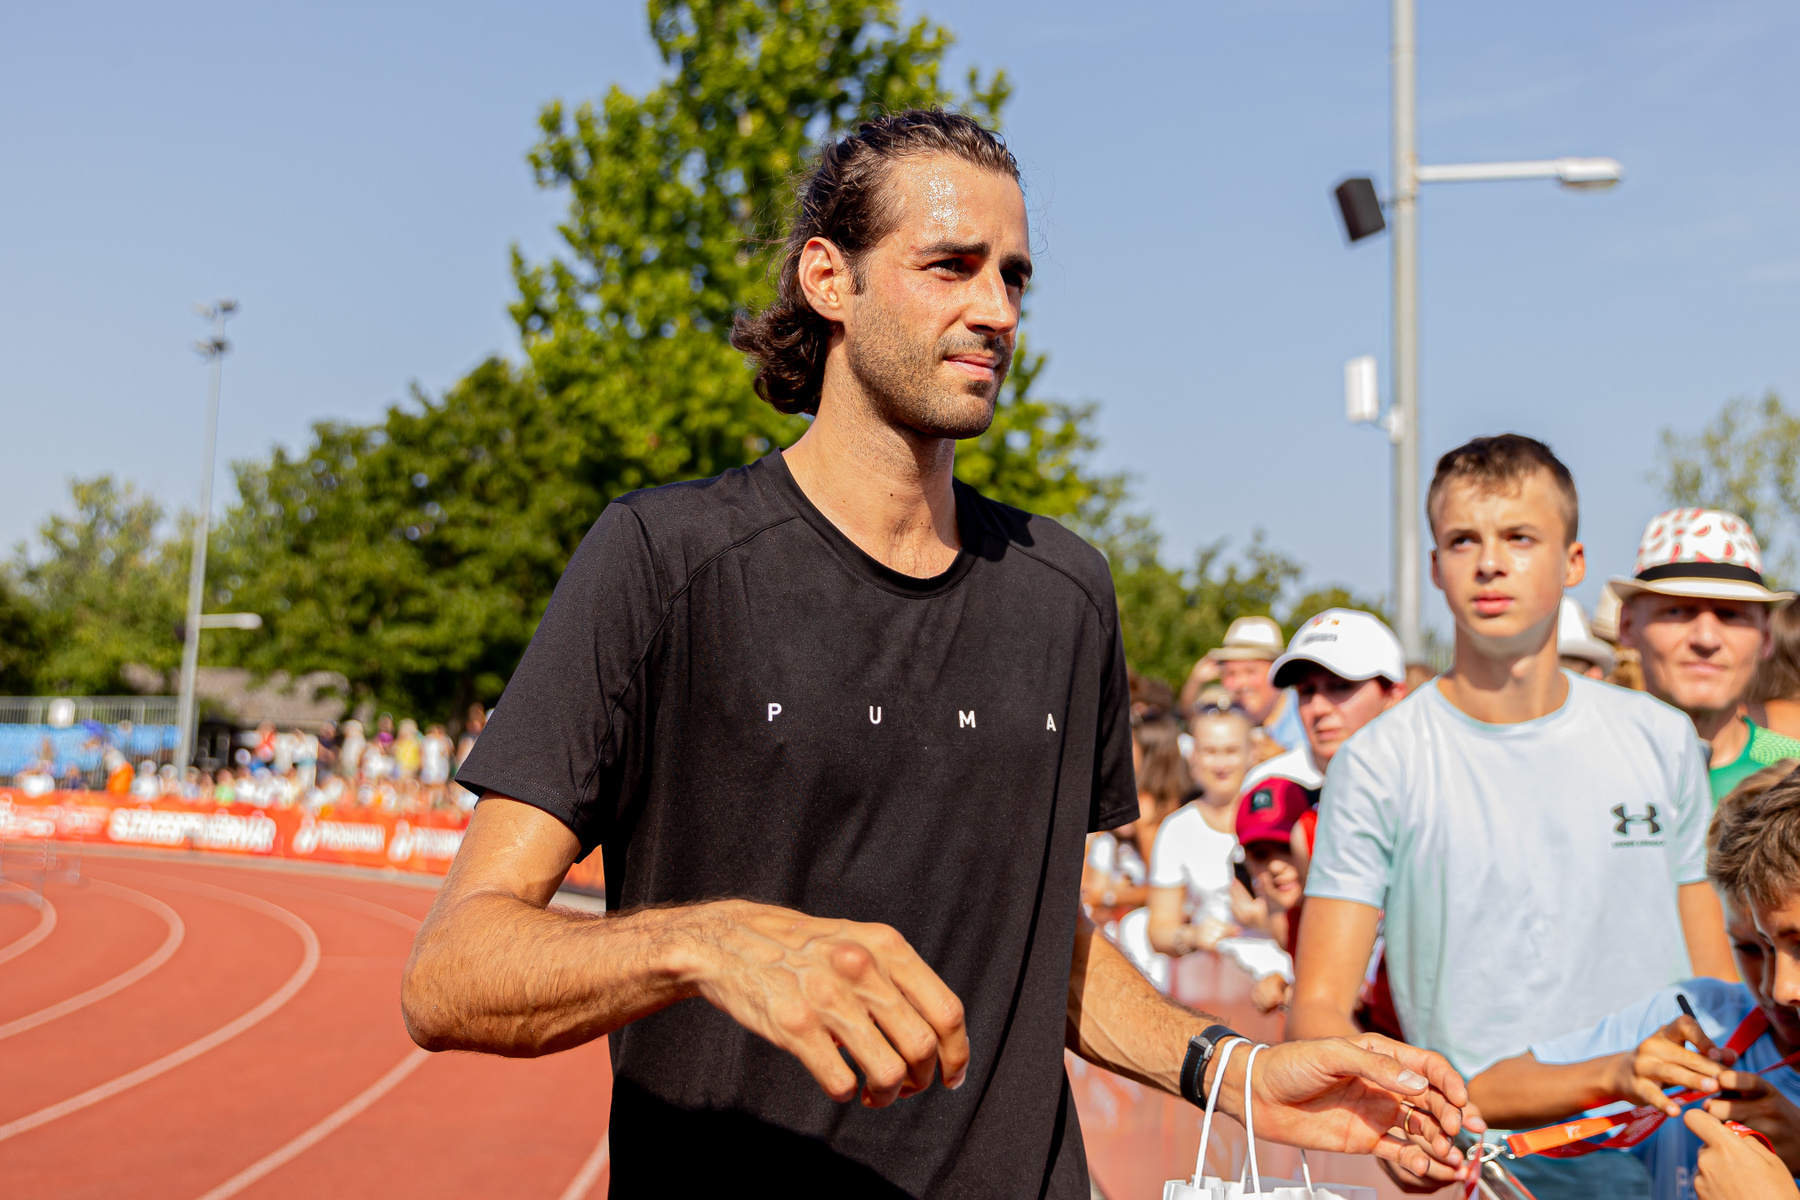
column 1502, row 464
column 846, row 201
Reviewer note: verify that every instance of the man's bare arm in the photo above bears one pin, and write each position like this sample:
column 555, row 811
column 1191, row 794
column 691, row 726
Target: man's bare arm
column 494, row 969
column 1337, row 1094
column 1703, row 926
column 1336, row 938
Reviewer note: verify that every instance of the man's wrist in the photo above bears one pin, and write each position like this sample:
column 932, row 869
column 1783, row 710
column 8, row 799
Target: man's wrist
column 1201, row 1061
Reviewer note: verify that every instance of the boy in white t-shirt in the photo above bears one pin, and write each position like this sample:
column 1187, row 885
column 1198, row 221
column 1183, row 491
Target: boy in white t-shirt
column 1536, row 838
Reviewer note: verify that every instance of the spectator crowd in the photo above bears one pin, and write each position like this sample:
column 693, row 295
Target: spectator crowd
column 1570, row 863
column 388, row 767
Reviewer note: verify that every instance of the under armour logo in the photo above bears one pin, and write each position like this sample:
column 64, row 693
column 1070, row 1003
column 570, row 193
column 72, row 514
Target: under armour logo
column 1626, row 821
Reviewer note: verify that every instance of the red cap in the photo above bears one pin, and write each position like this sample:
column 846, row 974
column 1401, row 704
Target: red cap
column 1270, row 810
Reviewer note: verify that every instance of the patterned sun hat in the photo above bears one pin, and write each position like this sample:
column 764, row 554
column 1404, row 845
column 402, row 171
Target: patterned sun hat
column 1699, row 552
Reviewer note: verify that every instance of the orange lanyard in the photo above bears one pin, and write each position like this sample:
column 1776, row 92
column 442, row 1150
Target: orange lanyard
column 1569, row 1140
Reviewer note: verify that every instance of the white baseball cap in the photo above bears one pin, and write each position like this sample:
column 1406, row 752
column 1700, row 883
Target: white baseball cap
column 1349, row 644
column 1249, row 639
column 1699, row 552
column 1574, row 639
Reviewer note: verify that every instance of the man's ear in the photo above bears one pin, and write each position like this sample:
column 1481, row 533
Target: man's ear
column 1575, row 566
column 1437, row 579
column 824, row 276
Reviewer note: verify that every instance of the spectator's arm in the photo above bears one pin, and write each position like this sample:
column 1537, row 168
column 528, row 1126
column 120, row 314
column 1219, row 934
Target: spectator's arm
column 1703, row 925
column 1336, row 938
column 1166, row 922
column 1521, row 1091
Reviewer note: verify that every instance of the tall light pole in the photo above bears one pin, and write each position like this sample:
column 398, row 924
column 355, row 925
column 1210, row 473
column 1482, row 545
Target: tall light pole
column 213, row 350
column 1362, row 218
column 1403, row 423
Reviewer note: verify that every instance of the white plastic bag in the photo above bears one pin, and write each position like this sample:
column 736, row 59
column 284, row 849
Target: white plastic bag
column 1250, row 1181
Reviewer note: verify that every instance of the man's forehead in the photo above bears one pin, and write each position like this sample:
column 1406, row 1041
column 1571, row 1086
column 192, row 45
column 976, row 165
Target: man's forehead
column 1528, row 500
column 941, row 196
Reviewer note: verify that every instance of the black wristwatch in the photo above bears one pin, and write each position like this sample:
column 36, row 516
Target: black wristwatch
column 1199, row 1053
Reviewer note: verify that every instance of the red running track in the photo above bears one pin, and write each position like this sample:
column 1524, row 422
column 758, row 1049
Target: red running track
column 175, row 1029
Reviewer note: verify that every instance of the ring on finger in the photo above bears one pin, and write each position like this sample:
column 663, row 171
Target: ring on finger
column 1408, row 1112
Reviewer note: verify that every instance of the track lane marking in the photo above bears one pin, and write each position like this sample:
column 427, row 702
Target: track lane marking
column 318, row 1133
column 309, row 963
column 121, row 981
column 46, row 922
column 590, row 1170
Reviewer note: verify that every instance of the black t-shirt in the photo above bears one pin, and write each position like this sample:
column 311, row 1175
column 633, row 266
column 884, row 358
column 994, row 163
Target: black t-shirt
column 731, row 699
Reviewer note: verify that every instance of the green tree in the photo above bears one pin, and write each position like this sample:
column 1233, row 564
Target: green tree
column 1746, row 461
column 107, row 589
column 21, row 639
column 415, row 556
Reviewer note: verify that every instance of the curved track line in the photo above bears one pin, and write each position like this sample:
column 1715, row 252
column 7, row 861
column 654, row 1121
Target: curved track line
column 309, row 962
column 590, row 1170
column 345, row 900
column 118, row 983
column 321, row 1131
column 46, row 922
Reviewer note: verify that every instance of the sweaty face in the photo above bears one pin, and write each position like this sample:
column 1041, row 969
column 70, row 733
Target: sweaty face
column 1276, row 875
column 1501, row 562
column 1248, row 683
column 1332, row 708
column 1221, row 756
column 1756, row 962
column 1698, row 655
column 929, row 335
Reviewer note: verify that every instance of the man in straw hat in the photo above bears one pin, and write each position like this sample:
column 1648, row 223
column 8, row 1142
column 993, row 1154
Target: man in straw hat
column 1696, row 609
column 1243, row 659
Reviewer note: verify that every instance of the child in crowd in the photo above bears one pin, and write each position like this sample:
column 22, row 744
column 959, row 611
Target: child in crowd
column 1633, row 1054
column 1191, row 864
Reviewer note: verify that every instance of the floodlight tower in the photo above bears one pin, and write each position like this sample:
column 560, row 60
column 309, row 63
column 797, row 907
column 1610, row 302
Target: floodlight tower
column 1362, row 214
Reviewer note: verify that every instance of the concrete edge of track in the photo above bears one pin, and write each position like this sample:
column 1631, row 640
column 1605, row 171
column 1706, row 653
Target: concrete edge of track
column 201, row 858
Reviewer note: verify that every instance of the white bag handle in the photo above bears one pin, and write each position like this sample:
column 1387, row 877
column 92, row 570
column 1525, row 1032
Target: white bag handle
column 1223, row 1050
column 1250, row 1118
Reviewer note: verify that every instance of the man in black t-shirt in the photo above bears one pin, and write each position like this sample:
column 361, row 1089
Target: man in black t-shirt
column 840, row 726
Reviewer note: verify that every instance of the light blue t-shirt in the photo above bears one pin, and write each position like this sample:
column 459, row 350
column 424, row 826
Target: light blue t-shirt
column 1286, row 730
column 1528, row 871
column 1670, row 1154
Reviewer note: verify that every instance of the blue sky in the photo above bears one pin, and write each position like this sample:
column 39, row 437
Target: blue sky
column 354, row 175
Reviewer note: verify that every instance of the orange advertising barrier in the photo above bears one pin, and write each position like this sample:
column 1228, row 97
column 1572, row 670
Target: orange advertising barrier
column 416, row 842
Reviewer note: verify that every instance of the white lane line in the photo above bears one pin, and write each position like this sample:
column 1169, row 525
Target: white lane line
column 117, row 983
column 344, row 900
column 321, row 1131
column 590, row 1170
column 309, row 962
column 46, row 922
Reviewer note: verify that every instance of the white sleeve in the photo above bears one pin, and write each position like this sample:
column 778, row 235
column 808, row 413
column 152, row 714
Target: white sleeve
column 1693, row 809
column 1353, row 851
column 1169, row 853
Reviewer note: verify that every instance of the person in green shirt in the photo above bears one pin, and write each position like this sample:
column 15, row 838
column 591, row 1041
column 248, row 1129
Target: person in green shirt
column 1697, row 612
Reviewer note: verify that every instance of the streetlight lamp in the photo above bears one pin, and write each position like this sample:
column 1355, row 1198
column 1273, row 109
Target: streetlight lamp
column 1362, row 213
column 213, row 350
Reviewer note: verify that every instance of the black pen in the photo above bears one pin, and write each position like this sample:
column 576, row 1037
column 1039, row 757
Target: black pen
column 1685, row 1006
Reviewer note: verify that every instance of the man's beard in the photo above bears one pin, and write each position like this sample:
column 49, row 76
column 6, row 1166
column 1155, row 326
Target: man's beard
column 899, row 375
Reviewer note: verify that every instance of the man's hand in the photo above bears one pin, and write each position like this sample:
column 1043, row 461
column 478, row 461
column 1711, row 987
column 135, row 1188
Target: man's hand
column 812, row 984
column 1663, row 1060
column 1753, row 1101
column 1361, row 1095
column 1733, row 1167
column 496, row 970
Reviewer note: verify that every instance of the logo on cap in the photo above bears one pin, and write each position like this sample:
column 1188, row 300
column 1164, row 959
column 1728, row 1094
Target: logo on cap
column 1262, row 800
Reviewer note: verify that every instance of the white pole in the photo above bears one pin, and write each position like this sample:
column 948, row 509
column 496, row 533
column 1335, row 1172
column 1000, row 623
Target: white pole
column 213, row 349
column 1402, row 216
